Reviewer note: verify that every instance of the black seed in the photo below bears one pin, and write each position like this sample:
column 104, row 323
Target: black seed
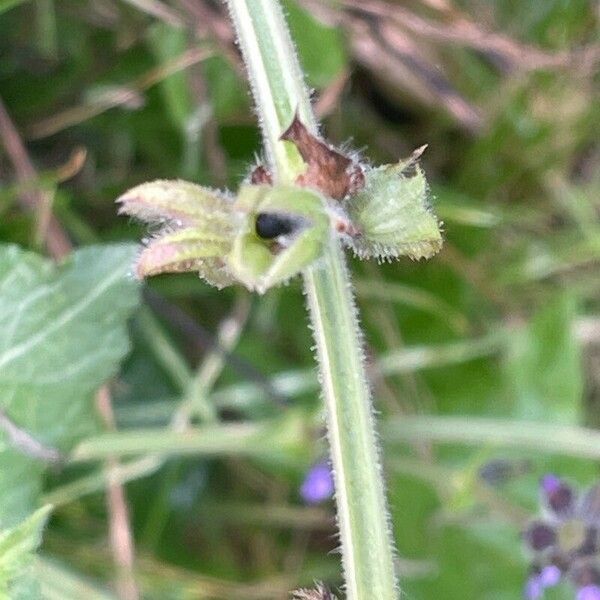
column 272, row 225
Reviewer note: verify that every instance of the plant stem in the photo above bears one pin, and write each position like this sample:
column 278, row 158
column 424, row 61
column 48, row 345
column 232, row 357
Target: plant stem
column 279, row 91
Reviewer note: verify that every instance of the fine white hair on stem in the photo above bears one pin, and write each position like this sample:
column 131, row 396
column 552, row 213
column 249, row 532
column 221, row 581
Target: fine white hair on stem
column 365, row 534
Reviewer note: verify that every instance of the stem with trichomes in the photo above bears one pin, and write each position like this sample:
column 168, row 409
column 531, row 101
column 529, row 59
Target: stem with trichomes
column 279, row 92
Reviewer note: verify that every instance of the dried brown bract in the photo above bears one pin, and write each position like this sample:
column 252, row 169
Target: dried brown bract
column 327, row 170
column 261, row 176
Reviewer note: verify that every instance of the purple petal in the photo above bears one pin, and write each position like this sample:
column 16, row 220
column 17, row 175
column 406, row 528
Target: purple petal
column 534, row 588
column 550, row 576
column 558, row 496
column 589, row 508
column 591, row 541
column 585, row 575
column 550, row 483
column 318, row 484
column 540, row 535
column 589, row 592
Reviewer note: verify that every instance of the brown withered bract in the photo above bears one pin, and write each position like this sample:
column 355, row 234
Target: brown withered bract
column 327, row 170
column 260, row 175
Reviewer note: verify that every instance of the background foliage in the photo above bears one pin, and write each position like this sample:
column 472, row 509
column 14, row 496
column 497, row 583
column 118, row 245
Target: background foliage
column 501, row 326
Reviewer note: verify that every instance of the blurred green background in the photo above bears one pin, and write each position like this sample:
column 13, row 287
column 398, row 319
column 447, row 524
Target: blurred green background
column 484, row 361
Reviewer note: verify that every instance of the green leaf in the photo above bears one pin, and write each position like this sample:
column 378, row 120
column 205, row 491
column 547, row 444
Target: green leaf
column 8, row 4
column 489, row 547
column 321, row 48
column 544, row 364
column 62, row 335
column 227, row 91
column 167, row 43
column 60, row 583
column 17, row 546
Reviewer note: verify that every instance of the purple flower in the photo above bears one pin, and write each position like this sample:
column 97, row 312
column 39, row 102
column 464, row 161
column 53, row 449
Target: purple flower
column 589, row 592
column 318, row 484
column 566, row 540
column 570, row 527
column 550, row 576
column 547, row 577
column 534, row 588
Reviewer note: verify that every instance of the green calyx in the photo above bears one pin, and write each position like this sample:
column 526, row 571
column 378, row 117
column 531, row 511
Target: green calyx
column 206, row 231
column 261, row 263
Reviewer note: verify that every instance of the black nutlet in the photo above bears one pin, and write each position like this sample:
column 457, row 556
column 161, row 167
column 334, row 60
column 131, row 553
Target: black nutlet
column 271, row 225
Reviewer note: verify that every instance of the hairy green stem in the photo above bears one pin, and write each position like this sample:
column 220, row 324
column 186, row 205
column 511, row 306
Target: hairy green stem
column 366, row 541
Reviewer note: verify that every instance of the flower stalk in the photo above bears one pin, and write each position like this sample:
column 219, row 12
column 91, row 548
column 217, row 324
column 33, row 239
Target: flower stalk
column 280, row 94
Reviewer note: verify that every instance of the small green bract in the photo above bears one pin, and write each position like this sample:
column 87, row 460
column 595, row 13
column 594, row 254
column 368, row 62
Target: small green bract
column 393, row 216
